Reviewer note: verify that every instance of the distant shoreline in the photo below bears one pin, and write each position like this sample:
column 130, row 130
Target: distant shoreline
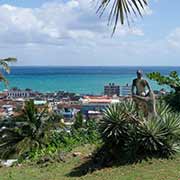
column 89, row 66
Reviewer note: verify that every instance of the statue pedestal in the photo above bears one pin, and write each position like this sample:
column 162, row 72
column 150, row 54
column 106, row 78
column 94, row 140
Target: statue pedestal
column 146, row 104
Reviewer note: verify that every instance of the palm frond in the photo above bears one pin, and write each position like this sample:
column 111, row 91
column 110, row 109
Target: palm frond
column 4, row 63
column 9, row 59
column 2, row 78
column 122, row 10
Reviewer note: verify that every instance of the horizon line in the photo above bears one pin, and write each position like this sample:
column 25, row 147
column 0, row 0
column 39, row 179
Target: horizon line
column 94, row 66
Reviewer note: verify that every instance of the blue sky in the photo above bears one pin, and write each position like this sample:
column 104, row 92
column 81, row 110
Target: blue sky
column 68, row 32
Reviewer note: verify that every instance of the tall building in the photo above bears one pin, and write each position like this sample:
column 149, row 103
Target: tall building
column 126, row 90
column 111, row 89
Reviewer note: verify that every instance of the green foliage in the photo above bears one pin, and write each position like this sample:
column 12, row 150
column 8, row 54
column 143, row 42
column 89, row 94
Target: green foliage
column 55, row 118
column 127, row 134
column 27, row 132
column 88, row 133
column 34, row 134
column 173, row 99
column 65, row 140
column 159, row 136
column 114, row 126
column 78, row 123
column 173, row 81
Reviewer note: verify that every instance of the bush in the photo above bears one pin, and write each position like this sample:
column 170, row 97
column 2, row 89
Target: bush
column 65, row 141
column 128, row 135
column 34, row 134
column 173, row 82
column 28, row 131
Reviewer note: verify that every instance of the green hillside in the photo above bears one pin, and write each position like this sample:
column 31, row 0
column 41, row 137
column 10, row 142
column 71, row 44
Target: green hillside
column 147, row 170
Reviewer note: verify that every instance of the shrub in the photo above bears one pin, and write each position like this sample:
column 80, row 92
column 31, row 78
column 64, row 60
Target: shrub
column 173, row 82
column 129, row 135
column 27, row 131
column 65, row 141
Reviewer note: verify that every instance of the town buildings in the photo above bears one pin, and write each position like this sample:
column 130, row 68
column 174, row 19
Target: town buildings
column 125, row 90
column 111, row 89
column 64, row 103
column 116, row 90
column 18, row 93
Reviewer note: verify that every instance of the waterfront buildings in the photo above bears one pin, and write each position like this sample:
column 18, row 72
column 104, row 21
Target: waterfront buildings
column 116, row 90
column 111, row 89
column 91, row 105
column 64, row 103
column 125, row 90
column 18, row 93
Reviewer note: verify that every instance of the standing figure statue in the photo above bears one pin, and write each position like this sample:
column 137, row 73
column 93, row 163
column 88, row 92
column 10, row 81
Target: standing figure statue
column 143, row 96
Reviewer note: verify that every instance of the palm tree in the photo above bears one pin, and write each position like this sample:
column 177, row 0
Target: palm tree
column 123, row 10
column 4, row 63
column 28, row 131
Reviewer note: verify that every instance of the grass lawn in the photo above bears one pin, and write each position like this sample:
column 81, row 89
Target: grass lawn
column 147, row 170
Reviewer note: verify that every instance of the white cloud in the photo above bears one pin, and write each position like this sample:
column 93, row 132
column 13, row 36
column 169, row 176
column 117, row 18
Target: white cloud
column 69, row 33
column 55, row 23
column 174, row 39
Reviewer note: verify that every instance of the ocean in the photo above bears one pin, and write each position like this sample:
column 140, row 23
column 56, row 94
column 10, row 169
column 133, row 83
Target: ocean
column 81, row 80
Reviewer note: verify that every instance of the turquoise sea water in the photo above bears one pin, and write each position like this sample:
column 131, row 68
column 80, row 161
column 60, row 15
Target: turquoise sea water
column 83, row 80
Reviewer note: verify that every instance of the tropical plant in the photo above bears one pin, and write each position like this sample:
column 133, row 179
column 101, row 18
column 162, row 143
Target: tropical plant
column 78, row 122
column 28, row 131
column 159, row 136
column 4, row 63
column 122, row 10
column 173, row 81
column 65, row 138
column 127, row 134
column 114, row 125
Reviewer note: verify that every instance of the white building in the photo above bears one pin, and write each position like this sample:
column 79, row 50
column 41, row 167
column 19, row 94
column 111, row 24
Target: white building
column 17, row 93
column 125, row 90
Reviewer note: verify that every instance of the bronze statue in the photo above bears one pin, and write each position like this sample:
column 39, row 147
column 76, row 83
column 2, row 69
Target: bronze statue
column 144, row 96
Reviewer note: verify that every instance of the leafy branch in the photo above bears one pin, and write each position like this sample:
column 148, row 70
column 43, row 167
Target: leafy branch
column 172, row 80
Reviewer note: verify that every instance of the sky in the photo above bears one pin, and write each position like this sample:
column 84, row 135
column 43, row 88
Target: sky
column 70, row 33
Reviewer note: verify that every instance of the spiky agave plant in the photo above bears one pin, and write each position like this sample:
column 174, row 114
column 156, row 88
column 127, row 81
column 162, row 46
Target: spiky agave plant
column 152, row 136
column 116, row 122
column 160, row 136
column 163, row 108
column 29, row 131
column 124, row 130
